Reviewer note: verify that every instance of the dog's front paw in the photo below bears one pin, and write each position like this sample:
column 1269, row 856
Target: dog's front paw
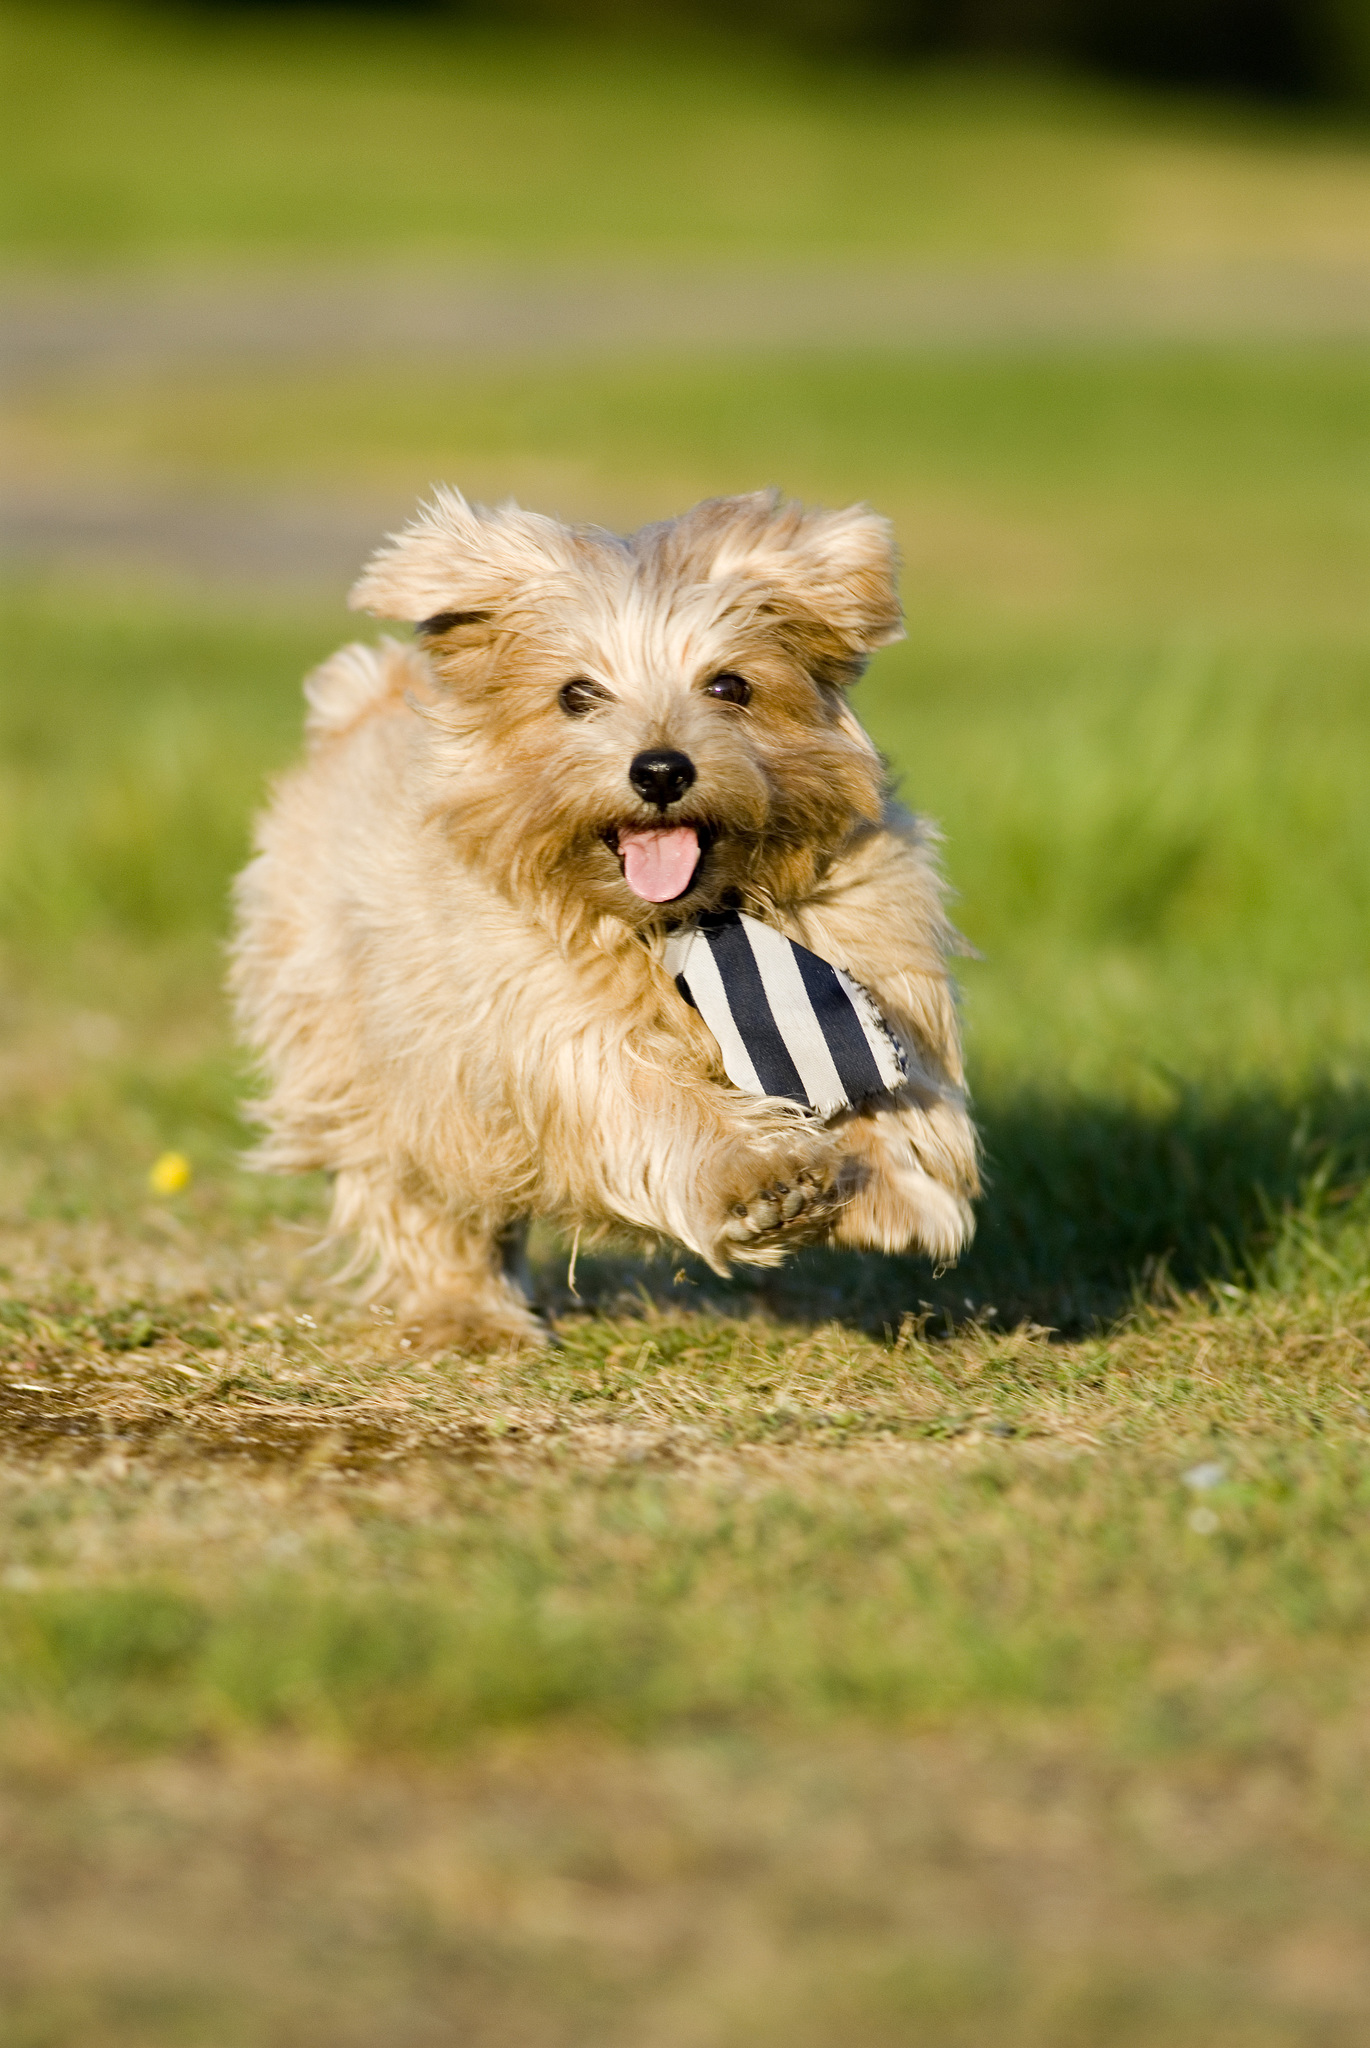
column 790, row 1210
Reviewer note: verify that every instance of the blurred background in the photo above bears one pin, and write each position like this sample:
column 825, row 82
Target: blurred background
column 1078, row 294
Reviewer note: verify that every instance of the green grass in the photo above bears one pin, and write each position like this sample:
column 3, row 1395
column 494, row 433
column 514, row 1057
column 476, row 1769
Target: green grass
column 423, row 1684
column 1187, row 492
column 178, row 135
column 591, row 1566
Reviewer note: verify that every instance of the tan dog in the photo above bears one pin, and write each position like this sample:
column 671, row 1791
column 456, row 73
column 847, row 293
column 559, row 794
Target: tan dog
column 450, row 943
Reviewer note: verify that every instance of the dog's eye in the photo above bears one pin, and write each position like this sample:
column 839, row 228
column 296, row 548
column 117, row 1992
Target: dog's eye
column 581, row 696
column 730, row 688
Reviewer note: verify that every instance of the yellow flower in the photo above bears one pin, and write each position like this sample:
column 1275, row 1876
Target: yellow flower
column 170, row 1174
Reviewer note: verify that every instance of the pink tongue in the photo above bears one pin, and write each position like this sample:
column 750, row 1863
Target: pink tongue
column 658, row 865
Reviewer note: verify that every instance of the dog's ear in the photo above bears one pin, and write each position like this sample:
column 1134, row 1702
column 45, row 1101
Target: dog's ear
column 455, row 564
column 839, row 569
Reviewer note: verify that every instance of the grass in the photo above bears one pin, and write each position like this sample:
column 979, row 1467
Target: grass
column 853, row 1653
column 642, row 1536
column 178, row 135
column 720, row 1892
column 716, row 1678
column 1198, row 492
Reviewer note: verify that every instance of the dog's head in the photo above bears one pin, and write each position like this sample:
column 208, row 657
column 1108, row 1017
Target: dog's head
column 655, row 725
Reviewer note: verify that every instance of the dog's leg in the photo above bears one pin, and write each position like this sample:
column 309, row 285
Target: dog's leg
column 910, row 1175
column 730, row 1176
column 460, row 1278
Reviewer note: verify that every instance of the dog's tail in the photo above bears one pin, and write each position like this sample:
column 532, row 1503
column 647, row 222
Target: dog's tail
column 358, row 681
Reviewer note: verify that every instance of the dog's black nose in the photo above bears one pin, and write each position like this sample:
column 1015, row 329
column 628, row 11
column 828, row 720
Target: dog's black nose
column 662, row 775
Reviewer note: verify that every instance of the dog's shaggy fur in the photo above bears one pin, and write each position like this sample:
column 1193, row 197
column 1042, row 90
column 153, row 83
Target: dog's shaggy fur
column 459, row 999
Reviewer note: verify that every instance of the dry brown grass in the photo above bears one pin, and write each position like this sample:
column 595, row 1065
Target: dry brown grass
column 545, row 1891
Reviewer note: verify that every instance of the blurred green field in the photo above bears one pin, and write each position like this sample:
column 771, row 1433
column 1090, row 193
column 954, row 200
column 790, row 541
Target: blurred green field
column 855, row 1653
column 181, row 133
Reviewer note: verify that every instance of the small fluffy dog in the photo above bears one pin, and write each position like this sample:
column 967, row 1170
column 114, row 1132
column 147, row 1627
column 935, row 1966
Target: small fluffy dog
column 451, row 943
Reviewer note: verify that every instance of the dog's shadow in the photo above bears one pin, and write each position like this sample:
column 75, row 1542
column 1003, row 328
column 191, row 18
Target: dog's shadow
column 1088, row 1207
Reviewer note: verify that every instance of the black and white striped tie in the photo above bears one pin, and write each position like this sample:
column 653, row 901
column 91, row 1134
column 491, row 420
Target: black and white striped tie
column 787, row 1023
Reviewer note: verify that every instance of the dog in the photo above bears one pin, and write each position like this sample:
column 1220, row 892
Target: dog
column 450, row 951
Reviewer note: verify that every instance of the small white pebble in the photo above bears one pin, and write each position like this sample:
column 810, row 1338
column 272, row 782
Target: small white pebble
column 406, row 1344
column 1203, row 1478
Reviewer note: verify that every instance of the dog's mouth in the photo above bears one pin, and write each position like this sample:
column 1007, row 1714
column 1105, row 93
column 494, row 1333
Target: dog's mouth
column 660, row 862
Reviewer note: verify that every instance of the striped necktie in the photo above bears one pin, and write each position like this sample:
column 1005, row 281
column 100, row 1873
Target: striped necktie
column 787, row 1023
